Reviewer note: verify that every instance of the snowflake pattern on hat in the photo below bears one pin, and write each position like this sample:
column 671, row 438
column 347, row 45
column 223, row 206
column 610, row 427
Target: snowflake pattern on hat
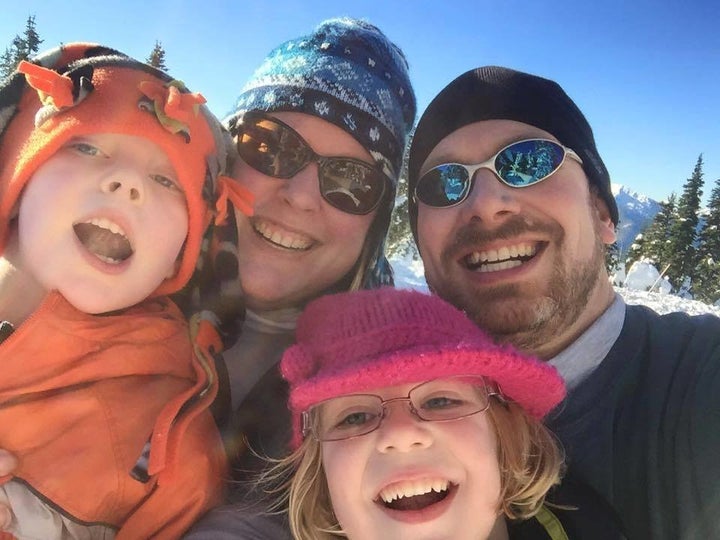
column 348, row 73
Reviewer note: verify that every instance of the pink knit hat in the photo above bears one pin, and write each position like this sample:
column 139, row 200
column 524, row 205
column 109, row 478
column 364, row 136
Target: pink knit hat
column 365, row 340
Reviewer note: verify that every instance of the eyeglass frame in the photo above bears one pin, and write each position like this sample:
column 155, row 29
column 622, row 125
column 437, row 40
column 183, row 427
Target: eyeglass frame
column 493, row 390
column 311, row 157
column 489, row 164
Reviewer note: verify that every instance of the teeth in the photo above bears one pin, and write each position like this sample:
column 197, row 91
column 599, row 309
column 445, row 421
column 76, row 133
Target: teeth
column 109, row 225
column 474, row 258
column 503, row 254
column 282, row 238
column 411, row 489
column 494, row 267
column 108, row 260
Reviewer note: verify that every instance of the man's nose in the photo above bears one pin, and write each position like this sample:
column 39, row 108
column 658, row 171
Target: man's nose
column 489, row 199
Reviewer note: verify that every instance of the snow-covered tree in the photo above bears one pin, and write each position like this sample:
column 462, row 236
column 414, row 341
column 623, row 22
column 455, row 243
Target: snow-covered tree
column 707, row 272
column 653, row 243
column 683, row 232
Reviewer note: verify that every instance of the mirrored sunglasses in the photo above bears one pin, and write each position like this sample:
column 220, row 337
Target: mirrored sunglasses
column 438, row 400
column 520, row 164
column 275, row 149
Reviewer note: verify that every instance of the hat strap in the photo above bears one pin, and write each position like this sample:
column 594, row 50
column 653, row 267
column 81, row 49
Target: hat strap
column 241, row 197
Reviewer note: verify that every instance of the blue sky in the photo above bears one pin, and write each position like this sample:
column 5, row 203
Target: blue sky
column 645, row 73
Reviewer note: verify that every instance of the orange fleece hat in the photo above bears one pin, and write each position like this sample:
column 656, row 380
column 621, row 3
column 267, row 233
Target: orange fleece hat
column 83, row 88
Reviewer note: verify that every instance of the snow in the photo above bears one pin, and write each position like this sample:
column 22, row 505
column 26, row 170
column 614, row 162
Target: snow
column 643, row 276
column 409, row 275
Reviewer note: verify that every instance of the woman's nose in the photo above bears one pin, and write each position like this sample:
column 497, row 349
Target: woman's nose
column 302, row 191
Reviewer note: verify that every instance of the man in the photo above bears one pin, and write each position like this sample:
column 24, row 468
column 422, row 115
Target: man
column 511, row 208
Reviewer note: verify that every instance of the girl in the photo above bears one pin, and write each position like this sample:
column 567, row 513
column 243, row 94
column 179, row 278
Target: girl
column 409, row 422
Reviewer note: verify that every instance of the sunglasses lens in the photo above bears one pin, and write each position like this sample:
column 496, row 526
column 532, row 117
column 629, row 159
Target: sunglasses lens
column 527, row 162
column 351, row 186
column 271, row 148
column 444, row 185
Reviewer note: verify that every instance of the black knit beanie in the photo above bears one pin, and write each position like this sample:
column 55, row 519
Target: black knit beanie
column 496, row 93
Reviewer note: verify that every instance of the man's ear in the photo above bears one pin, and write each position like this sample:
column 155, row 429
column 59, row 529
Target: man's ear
column 603, row 221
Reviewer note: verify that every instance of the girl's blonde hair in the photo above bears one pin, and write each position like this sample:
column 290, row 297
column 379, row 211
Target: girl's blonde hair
column 529, row 455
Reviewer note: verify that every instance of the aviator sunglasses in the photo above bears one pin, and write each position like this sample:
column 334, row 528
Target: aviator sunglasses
column 520, row 164
column 275, row 149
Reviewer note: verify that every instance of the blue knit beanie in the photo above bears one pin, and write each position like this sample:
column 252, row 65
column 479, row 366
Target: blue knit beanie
column 346, row 72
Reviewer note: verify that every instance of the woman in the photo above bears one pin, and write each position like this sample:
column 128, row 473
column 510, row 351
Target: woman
column 320, row 129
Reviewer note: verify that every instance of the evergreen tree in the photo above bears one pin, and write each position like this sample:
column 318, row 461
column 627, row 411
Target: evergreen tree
column 683, row 232
column 654, row 243
column 21, row 48
column 31, row 39
column 635, row 251
column 157, row 57
column 612, row 257
column 7, row 63
column 707, row 272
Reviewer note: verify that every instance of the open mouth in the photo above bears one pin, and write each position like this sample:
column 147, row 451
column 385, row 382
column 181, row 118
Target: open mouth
column 507, row 257
column 413, row 496
column 105, row 239
column 282, row 238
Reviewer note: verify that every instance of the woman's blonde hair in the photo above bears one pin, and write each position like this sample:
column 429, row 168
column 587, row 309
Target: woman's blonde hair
column 529, row 456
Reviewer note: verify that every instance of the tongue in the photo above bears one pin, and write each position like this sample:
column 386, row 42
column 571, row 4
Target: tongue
column 417, row 502
column 103, row 242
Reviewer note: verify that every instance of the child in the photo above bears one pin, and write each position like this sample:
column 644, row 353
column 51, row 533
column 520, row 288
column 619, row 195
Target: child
column 409, row 422
column 108, row 168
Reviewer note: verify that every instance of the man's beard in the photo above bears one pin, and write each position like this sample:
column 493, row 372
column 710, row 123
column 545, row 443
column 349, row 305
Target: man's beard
column 528, row 320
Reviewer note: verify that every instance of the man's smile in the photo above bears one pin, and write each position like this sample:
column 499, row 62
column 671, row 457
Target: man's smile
column 503, row 258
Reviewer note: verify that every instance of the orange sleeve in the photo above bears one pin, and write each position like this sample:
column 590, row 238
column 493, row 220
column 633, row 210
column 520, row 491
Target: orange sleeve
column 191, row 486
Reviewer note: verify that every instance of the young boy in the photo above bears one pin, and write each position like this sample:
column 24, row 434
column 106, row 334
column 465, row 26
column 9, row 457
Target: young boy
column 108, row 168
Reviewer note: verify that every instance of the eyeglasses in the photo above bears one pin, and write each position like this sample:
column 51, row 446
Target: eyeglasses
column 438, row 400
column 520, row 164
column 275, row 149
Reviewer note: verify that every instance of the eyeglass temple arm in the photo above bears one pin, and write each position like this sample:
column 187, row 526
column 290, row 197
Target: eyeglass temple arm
column 570, row 152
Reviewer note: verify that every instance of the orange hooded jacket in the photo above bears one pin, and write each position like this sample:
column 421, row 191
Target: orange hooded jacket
column 81, row 395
